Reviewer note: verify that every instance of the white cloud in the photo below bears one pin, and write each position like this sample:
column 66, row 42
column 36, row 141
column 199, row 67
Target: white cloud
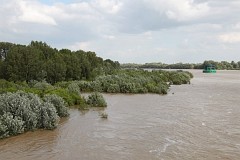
column 110, row 37
column 236, row 26
column 180, row 10
column 108, row 6
column 233, row 37
column 80, row 46
column 34, row 12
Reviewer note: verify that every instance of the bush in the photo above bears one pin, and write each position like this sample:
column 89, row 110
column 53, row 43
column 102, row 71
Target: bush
column 96, row 100
column 43, row 86
column 13, row 125
column 3, row 130
column 70, row 98
column 22, row 111
column 179, row 78
column 49, row 118
column 58, row 103
column 113, row 88
column 19, row 104
column 73, row 88
column 84, row 86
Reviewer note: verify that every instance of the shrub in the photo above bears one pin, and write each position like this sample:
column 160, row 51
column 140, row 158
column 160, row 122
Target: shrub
column 58, row 103
column 96, row 100
column 49, row 118
column 127, row 88
column 62, row 84
column 68, row 98
column 43, row 85
column 73, row 88
column 179, row 78
column 96, row 86
column 113, row 88
column 22, row 111
column 84, row 86
column 104, row 115
column 21, row 104
column 3, row 130
column 14, row 125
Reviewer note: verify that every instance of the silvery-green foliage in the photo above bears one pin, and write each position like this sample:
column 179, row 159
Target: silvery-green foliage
column 58, row 103
column 96, row 100
column 49, row 118
column 42, row 85
column 84, row 86
column 96, row 86
column 113, row 88
column 73, row 88
column 3, row 130
column 15, row 125
column 22, row 105
column 22, row 111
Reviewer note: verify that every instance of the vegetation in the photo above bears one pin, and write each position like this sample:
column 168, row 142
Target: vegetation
column 38, row 61
column 58, row 103
column 223, row 65
column 96, row 100
column 135, row 81
column 38, row 83
column 104, row 115
column 21, row 112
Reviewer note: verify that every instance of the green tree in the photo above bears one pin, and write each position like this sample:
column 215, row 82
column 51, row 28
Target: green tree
column 56, row 69
column 23, row 63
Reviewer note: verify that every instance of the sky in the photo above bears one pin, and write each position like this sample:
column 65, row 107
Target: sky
column 129, row 31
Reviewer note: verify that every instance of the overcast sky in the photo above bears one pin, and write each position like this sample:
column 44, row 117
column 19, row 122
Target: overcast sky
column 137, row 31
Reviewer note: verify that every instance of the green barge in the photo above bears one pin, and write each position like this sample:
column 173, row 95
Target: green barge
column 209, row 69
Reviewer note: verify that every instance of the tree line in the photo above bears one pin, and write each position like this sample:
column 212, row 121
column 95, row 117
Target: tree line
column 39, row 61
column 223, row 65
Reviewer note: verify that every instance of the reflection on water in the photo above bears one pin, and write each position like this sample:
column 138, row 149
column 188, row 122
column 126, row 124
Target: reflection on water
column 198, row 121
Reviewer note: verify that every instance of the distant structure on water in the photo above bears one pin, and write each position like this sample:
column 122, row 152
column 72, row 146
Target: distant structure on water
column 209, row 68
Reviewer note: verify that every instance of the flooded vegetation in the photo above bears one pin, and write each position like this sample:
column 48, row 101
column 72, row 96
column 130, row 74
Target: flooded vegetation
column 198, row 121
column 49, row 82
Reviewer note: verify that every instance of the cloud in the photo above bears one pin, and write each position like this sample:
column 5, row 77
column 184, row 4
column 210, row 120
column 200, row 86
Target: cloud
column 233, row 37
column 108, row 6
column 127, row 30
column 180, row 10
column 34, row 12
column 80, row 46
column 236, row 26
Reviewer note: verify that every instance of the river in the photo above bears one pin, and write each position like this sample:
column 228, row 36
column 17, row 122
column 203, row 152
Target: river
column 200, row 120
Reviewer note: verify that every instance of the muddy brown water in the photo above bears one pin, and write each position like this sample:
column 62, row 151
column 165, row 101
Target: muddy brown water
column 196, row 121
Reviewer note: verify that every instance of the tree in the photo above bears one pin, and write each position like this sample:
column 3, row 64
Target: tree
column 56, row 69
column 23, row 63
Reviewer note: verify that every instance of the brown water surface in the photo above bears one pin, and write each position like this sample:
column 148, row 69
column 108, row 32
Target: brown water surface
column 196, row 121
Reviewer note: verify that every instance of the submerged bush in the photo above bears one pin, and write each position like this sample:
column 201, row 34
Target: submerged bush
column 3, row 130
column 14, row 124
column 179, row 78
column 22, row 111
column 113, row 88
column 96, row 100
column 49, row 117
column 58, row 103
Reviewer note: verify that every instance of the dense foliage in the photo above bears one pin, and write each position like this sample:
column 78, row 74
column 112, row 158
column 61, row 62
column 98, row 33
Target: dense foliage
column 38, row 61
column 223, row 65
column 135, row 81
column 96, row 100
column 58, row 103
column 21, row 112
